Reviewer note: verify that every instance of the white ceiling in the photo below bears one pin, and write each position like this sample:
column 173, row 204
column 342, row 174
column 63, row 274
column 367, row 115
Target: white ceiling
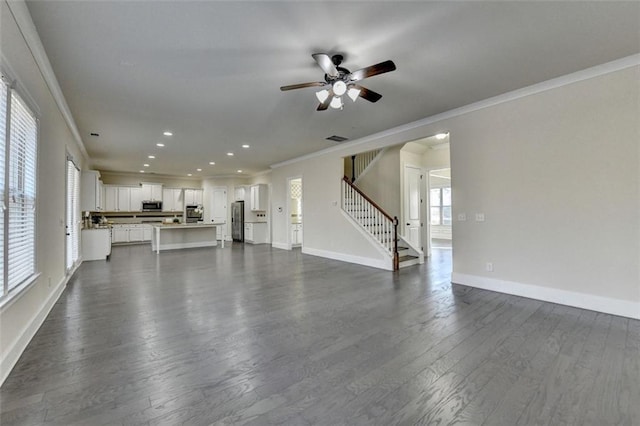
column 211, row 71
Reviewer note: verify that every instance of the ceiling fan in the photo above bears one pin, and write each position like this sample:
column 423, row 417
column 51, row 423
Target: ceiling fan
column 339, row 80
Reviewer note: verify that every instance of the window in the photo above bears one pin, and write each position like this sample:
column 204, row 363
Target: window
column 440, row 200
column 18, row 147
column 73, row 218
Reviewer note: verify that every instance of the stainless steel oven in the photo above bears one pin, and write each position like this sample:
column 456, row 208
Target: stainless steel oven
column 193, row 213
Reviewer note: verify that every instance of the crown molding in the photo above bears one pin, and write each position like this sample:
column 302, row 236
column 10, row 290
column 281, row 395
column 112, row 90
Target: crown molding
column 554, row 83
column 28, row 30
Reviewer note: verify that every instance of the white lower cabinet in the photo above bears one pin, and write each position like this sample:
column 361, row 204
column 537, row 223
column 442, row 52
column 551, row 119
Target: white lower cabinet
column 96, row 244
column 131, row 233
column 255, row 232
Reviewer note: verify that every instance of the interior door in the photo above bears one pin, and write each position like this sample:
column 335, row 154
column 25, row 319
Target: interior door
column 412, row 202
column 219, row 211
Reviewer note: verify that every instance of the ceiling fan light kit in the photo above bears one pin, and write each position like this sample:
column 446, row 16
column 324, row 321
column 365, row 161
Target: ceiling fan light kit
column 341, row 81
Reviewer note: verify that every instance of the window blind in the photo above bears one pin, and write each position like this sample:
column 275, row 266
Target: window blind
column 73, row 217
column 4, row 89
column 22, row 193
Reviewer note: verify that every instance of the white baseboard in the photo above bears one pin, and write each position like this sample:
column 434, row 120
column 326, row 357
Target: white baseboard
column 281, row 246
column 366, row 261
column 175, row 246
column 563, row 297
column 31, row 328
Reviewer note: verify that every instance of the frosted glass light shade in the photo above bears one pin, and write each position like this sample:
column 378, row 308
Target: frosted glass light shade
column 353, row 93
column 336, row 102
column 322, row 95
column 339, row 88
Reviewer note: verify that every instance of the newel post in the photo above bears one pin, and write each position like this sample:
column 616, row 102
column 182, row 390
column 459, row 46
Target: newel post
column 396, row 257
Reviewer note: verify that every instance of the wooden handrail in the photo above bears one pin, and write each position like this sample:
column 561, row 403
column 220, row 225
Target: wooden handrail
column 373, row 203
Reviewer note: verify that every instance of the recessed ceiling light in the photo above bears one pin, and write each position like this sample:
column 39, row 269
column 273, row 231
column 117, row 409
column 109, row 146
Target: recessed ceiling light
column 141, row 171
column 230, row 154
column 212, row 163
column 189, row 174
column 245, row 146
column 168, row 134
column 198, row 170
column 145, row 165
column 441, row 136
column 239, row 171
column 160, row 145
column 152, row 156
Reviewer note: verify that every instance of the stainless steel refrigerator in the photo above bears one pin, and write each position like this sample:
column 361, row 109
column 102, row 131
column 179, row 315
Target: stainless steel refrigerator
column 237, row 221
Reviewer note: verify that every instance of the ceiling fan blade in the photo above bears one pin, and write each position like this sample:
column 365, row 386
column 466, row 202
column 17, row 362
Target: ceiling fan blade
column 326, row 64
column 376, row 69
column 324, row 105
column 367, row 94
column 303, row 85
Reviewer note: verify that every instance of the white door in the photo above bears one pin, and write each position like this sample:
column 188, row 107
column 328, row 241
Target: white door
column 412, row 202
column 219, row 211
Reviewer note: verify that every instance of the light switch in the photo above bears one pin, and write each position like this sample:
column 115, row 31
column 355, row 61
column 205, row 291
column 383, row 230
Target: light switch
column 479, row 217
column 462, row 217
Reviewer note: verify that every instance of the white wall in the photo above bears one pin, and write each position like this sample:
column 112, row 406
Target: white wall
column 381, row 182
column 547, row 165
column 20, row 320
column 111, row 178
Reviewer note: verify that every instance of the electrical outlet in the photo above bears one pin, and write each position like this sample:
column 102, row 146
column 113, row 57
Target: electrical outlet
column 489, row 267
column 479, row 217
column 462, row 217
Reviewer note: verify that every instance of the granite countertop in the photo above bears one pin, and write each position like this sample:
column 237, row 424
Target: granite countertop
column 185, row 225
column 253, row 221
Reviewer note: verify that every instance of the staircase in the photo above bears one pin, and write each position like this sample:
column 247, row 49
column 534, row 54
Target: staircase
column 361, row 162
column 379, row 225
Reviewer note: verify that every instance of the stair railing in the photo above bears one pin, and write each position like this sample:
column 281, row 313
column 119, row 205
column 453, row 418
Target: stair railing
column 372, row 218
column 360, row 162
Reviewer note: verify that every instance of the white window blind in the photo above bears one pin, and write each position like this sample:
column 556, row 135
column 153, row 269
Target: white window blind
column 73, row 217
column 4, row 89
column 21, row 201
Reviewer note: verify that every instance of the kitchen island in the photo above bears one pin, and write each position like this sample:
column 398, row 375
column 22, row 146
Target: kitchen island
column 185, row 235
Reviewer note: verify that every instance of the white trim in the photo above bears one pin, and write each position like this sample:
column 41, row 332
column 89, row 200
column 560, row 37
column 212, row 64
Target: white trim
column 281, row 246
column 12, row 355
column 359, row 260
column 28, row 30
column 598, row 70
column 592, row 302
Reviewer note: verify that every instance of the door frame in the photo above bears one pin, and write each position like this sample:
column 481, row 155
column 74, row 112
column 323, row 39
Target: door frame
column 288, row 210
column 426, row 248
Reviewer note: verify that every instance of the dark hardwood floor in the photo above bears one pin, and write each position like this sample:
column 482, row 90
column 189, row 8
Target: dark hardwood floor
column 260, row 336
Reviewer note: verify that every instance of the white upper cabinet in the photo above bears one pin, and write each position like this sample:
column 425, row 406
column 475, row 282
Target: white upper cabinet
column 124, row 199
column 110, row 198
column 152, row 192
column 135, row 204
column 172, row 200
column 193, row 197
column 239, row 193
column 91, row 191
column 259, row 194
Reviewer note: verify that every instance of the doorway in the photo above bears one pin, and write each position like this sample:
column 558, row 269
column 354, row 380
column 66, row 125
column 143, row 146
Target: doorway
column 219, row 210
column 72, row 222
column 412, row 204
column 440, row 220
column 295, row 212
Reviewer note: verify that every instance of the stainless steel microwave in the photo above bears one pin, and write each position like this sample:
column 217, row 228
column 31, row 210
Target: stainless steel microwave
column 152, row 206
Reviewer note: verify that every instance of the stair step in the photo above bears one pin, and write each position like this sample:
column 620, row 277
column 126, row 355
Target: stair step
column 408, row 260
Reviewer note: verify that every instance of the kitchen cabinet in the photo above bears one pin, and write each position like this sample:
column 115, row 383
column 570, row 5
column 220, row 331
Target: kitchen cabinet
column 147, row 232
column 96, row 244
column 259, row 194
column 239, row 193
column 131, row 233
column 172, row 200
column 193, row 197
column 110, row 198
column 135, row 202
column 255, row 232
column 296, row 234
column 90, row 191
column 120, row 234
column 124, row 199
column 152, row 192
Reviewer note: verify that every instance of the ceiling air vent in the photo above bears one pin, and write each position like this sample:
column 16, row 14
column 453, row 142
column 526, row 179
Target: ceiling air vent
column 336, row 138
